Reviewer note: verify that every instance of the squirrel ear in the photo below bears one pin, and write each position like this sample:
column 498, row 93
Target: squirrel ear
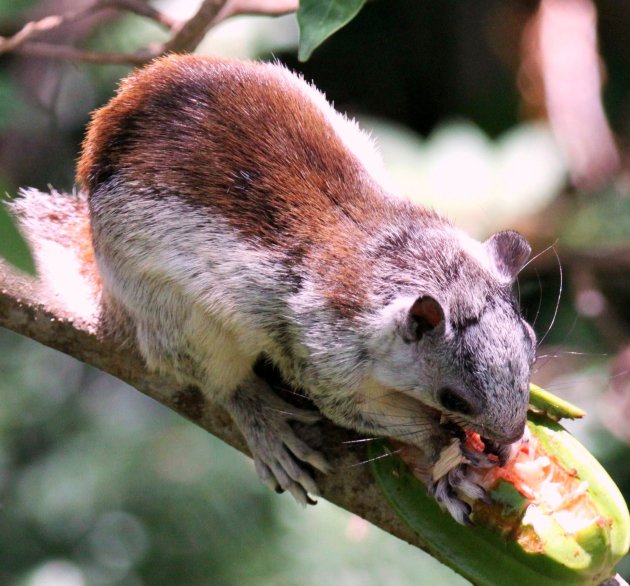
column 509, row 252
column 424, row 315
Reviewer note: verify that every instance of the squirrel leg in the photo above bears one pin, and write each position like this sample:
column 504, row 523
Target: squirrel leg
column 264, row 418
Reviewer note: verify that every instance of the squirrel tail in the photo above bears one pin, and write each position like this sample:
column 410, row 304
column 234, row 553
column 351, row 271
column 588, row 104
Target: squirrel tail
column 57, row 227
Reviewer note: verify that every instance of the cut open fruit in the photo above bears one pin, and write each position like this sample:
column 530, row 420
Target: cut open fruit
column 556, row 516
column 548, row 491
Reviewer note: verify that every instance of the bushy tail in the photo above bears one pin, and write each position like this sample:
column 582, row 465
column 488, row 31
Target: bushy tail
column 57, row 227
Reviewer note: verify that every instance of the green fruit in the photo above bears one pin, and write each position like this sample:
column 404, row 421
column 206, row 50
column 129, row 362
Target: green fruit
column 544, row 402
column 543, row 554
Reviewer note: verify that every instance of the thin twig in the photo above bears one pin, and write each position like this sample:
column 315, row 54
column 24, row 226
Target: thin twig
column 266, row 7
column 53, row 51
column 49, row 23
column 194, row 29
column 46, row 24
column 143, row 9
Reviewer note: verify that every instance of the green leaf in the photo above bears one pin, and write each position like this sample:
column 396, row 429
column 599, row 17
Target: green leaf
column 319, row 19
column 13, row 247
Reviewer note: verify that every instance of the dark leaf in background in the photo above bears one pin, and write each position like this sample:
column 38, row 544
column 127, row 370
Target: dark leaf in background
column 319, row 19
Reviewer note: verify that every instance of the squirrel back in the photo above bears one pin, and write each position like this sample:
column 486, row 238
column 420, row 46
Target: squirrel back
column 258, row 147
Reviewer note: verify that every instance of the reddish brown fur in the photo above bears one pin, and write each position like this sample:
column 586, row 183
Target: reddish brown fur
column 237, row 137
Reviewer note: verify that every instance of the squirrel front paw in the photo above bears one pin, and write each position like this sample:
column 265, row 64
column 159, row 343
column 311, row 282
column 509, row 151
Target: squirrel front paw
column 448, row 475
column 278, row 453
column 453, row 476
column 449, row 489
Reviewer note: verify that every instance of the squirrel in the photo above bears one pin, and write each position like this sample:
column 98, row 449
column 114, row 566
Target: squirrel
column 236, row 214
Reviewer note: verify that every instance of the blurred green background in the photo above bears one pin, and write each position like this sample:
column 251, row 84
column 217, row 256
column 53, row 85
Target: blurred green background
column 100, row 485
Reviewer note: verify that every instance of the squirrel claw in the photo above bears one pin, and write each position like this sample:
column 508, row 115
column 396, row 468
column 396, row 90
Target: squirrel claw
column 445, row 495
column 477, row 459
column 305, row 453
column 284, row 474
column 458, row 479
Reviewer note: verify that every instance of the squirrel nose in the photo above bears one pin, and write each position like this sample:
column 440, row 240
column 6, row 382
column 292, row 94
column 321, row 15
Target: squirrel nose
column 515, row 434
column 507, row 435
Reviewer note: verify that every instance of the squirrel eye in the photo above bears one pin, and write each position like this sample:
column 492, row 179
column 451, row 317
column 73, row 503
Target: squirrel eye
column 452, row 401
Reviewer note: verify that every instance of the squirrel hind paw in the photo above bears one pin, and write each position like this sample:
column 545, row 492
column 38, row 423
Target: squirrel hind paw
column 295, row 489
column 283, row 461
column 279, row 470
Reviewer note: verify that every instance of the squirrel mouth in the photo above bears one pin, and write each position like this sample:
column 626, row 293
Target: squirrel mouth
column 457, row 426
column 463, row 431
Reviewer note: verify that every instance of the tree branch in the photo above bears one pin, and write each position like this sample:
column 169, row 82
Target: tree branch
column 48, row 23
column 185, row 36
column 29, row 307
column 21, row 41
column 190, row 34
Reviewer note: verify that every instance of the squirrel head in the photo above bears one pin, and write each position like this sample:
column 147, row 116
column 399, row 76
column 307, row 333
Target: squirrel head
column 462, row 347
